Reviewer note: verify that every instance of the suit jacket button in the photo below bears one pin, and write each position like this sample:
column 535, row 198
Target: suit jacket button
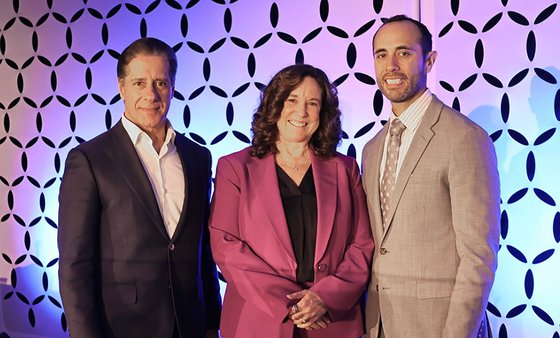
column 377, row 287
column 322, row 267
column 383, row 251
column 171, row 247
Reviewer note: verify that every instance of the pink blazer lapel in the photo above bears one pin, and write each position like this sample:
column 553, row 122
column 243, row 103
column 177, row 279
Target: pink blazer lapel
column 263, row 180
column 325, row 179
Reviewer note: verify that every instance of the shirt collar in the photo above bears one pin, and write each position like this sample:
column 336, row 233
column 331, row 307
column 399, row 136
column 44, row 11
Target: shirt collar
column 412, row 115
column 136, row 134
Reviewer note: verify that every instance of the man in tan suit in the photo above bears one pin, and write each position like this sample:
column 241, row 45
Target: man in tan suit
column 433, row 201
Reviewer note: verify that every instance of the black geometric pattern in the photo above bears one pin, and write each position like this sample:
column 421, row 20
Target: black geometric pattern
column 509, row 85
column 498, row 63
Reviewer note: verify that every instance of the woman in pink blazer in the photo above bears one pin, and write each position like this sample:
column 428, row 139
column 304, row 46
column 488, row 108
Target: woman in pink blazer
column 289, row 225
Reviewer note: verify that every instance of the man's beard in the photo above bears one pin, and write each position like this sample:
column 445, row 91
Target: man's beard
column 402, row 94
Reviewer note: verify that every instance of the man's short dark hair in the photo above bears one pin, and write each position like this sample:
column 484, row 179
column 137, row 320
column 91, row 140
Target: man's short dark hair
column 147, row 46
column 425, row 35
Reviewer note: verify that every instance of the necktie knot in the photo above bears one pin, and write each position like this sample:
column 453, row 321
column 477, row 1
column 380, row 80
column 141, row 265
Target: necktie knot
column 397, row 127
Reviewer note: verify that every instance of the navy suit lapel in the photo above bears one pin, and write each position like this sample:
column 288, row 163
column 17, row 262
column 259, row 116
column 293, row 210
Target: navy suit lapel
column 189, row 171
column 130, row 168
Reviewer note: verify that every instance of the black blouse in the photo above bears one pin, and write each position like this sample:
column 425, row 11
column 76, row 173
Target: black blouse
column 300, row 208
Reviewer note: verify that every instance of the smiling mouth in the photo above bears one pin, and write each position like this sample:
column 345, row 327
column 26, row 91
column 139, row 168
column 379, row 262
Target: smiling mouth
column 393, row 81
column 297, row 123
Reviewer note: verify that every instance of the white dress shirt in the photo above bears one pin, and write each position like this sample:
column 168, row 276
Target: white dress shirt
column 411, row 118
column 164, row 170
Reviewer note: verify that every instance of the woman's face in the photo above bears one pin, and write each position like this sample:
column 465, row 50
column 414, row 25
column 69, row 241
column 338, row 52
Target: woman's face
column 300, row 115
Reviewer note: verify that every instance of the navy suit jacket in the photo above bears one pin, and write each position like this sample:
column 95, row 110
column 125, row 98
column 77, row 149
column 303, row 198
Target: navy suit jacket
column 120, row 273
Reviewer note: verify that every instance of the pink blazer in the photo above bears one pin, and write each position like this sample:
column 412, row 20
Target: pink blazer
column 251, row 245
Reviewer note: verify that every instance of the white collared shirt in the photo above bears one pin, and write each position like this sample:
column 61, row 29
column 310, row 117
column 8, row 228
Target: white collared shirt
column 164, row 170
column 411, row 118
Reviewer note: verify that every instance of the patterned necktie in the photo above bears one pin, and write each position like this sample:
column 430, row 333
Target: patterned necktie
column 390, row 172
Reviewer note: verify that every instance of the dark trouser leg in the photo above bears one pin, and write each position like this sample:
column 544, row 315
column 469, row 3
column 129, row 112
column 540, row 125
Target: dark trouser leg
column 176, row 333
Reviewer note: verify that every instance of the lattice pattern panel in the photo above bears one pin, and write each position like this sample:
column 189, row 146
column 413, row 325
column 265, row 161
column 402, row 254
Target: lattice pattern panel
column 498, row 66
column 58, row 87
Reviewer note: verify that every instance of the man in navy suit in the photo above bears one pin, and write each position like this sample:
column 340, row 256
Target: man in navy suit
column 135, row 259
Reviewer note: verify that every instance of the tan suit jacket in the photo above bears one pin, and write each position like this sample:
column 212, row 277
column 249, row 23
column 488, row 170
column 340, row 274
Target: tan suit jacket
column 434, row 263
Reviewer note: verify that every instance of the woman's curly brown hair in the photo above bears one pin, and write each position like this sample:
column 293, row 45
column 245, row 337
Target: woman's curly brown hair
column 265, row 131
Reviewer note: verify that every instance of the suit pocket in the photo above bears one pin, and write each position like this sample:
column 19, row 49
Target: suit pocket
column 423, row 176
column 434, row 289
column 119, row 293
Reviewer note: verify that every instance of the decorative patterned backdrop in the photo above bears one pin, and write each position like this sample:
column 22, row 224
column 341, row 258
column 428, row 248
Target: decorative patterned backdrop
column 498, row 63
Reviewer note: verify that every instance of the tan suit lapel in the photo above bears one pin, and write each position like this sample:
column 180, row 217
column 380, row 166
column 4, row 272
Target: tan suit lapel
column 325, row 179
column 372, row 177
column 264, row 182
column 419, row 144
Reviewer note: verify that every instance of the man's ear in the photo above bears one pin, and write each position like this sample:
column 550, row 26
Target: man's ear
column 430, row 60
column 120, row 84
